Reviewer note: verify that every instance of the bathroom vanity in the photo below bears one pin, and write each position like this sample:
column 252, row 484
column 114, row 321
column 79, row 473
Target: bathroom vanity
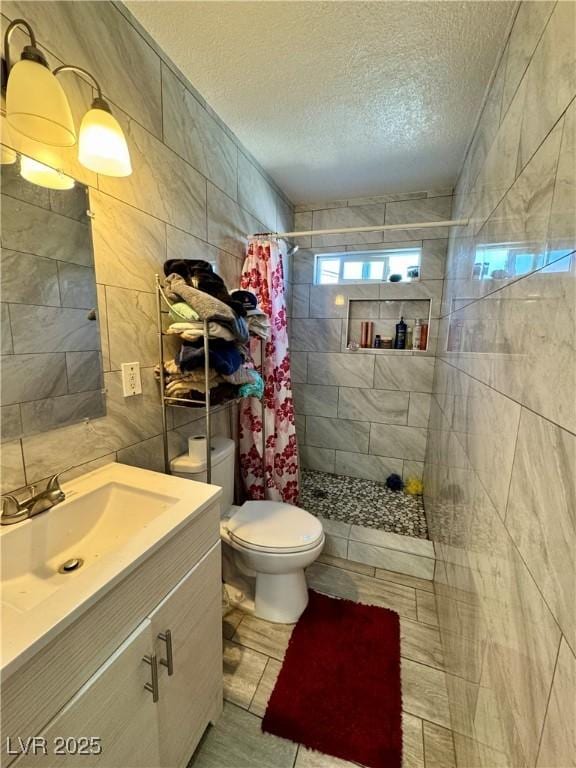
column 117, row 662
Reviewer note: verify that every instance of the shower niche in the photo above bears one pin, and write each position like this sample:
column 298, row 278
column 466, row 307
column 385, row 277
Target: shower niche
column 384, row 314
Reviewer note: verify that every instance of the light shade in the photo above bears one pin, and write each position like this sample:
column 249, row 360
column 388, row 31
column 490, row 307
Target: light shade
column 37, row 107
column 43, row 175
column 7, row 156
column 102, row 146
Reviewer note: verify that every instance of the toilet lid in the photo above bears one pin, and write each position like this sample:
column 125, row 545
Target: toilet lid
column 273, row 525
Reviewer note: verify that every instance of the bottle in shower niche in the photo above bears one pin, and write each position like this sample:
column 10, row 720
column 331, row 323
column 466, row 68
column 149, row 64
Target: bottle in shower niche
column 400, row 338
column 416, row 333
column 424, row 335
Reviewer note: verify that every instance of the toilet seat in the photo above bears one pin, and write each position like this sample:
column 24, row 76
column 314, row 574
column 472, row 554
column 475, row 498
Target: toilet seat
column 272, row 526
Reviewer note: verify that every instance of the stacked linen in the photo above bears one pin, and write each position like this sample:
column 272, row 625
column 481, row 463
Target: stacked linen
column 179, row 383
column 195, row 330
column 180, row 312
column 201, row 301
column 183, row 381
column 207, row 307
column 224, row 357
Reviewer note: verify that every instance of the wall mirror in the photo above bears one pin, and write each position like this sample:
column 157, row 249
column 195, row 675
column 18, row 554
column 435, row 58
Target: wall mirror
column 51, row 365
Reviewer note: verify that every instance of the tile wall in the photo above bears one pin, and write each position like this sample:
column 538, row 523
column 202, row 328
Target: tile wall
column 499, row 478
column 195, row 192
column 364, row 413
column 51, row 366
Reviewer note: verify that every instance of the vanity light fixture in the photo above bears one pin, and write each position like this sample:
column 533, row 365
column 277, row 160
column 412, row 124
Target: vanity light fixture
column 36, row 105
column 43, row 175
column 7, row 155
column 102, row 146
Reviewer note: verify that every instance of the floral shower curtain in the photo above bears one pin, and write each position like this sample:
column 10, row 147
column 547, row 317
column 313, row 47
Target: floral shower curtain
column 276, row 478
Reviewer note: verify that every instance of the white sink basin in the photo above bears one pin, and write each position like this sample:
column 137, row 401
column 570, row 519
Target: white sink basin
column 85, row 526
column 112, row 519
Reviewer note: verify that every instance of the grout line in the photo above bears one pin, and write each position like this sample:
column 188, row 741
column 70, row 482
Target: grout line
column 548, row 700
column 296, row 755
column 473, row 182
column 557, row 164
column 485, row 99
column 26, row 483
column 502, row 287
column 57, row 306
column 175, row 226
column 512, row 465
column 259, row 681
column 82, row 221
column 422, row 740
column 512, row 543
column 503, row 394
column 165, row 60
column 476, row 232
column 443, row 727
column 236, row 630
column 526, row 68
column 162, row 127
column 206, row 207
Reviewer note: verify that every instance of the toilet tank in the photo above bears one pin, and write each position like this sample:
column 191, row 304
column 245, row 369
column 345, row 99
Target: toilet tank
column 194, row 468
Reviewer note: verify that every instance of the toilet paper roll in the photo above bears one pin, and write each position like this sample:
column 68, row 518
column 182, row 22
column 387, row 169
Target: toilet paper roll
column 197, row 447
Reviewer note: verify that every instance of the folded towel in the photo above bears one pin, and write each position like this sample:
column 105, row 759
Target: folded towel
column 177, row 388
column 182, row 312
column 223, row 356
column 200, row 274
column 218, row 395
column 205, row 305
column 191, row 380
column 194, row 331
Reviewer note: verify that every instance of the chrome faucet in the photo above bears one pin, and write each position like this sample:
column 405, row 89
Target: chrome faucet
column 15, row 510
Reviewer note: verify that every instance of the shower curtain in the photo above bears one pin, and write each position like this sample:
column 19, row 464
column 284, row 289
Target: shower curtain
column 276, row 478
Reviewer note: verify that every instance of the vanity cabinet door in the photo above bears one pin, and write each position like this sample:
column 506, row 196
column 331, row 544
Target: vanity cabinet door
column 113, row 708
column 190, row 619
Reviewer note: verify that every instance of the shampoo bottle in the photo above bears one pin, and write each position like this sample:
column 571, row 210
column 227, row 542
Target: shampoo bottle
column 400, row 338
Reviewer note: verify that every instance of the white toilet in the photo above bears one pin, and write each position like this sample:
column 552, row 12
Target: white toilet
column 273, row 541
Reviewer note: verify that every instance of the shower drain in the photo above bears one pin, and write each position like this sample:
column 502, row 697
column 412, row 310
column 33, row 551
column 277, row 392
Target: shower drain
column 71, row 565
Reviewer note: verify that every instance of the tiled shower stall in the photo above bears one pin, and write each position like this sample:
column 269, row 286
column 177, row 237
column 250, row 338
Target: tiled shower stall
column 364, row 414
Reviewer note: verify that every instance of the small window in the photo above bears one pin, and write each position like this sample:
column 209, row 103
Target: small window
column 367, row 266
column 505, row 260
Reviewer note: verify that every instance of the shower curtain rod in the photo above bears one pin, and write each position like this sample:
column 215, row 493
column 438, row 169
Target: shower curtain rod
column 377, row 228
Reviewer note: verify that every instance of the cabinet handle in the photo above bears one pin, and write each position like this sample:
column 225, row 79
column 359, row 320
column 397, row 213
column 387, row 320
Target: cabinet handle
column 169, row 660
column 153, row 686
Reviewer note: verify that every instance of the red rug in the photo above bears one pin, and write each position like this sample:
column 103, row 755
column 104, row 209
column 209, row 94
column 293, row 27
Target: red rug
column 339, row 689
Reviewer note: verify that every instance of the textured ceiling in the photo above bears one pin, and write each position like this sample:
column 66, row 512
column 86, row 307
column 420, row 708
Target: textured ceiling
column 339, row 99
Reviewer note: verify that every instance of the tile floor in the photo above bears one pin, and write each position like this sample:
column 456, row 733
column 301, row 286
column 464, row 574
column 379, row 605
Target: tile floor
column 253, row 652
column 362, row 502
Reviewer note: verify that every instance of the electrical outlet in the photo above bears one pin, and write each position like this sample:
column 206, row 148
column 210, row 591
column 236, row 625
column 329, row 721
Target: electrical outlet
column 131, row 381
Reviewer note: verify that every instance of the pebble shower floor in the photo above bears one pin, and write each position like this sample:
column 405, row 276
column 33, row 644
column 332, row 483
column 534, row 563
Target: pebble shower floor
column 362, row 502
